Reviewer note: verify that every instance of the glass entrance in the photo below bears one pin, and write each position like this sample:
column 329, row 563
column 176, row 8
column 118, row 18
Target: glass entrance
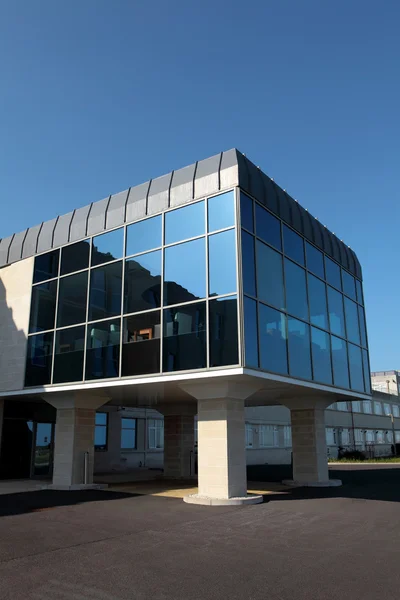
column 42, row 460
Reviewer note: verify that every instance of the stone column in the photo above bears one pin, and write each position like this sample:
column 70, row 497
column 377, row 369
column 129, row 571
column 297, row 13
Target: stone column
column 178, row 440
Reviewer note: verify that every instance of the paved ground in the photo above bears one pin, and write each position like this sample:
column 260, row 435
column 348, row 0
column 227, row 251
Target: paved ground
column 308, row 544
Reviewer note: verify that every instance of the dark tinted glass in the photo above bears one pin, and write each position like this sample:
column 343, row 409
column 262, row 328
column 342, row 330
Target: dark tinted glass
column 367, row 376
column 105, row 291
column 185, row 272
column 321, row 356
column 339, row 363
column 249, row 264
column 43, row 306
column 46, row 266
column 75, row 257
column 107, row 246
column 144, row 235
column 299, row 349
column 293, row 245
column 268, row 227
column 360, row 296
column 269, row 275
column 143, row 282
column 250, row 333
column 272, row 336
column 352, row 328
column 336, row 315
column 102, row 354
column 72, row 299
column 315, row 260
column 222, row 263
column 223, row 332
column 356, row 369
column 68, row 358
column 38, row 359
column 361, row 315
column 221, row 211
column 101, row 419
column 296, row 292
column 349, row 284
column 246, row 212
column 141, row 344
column 184, row 223
column 317, row 301
column 332, row 271
column 184, row 345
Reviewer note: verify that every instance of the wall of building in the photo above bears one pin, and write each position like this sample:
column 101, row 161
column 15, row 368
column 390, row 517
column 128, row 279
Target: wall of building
column 386, row 382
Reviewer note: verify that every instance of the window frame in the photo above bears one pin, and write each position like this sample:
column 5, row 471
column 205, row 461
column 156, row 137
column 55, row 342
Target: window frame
column 101, row 447
column 134, row 419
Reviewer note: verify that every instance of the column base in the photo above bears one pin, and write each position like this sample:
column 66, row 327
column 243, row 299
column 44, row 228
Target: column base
column 317, row 484
column 75, row 487
column 208, row 501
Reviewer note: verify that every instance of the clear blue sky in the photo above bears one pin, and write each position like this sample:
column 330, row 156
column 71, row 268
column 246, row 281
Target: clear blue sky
column 100, row 95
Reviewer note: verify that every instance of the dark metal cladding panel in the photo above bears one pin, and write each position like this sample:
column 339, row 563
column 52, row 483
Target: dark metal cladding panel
column 335, row 247
column 79, row 223
column 116, row 210
column 158, row 198
column 182, row 186
column 297, row 222
column 96, row 222
column 31, row 240
column 4, row 248
column 357, row 266
column 317, row 231
column 137, row 202
column 15, row 252
column 255, row 182
column 61, row 230
column 243, row 172
column 45, row 238
column 327, row 240
column 307, row 225
column 206, row 181
column 350, row 258
column 270, row 196
column 346, row 258
column 283, row 204
column 229, row 171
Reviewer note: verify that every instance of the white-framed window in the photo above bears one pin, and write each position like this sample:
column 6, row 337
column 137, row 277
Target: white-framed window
column 342, row 406
column 396, row 410
column 101, row 432
column 268, row 436
column 345, row 437
column 330, row 436
column 387, row 409
column 367, row 407
column 249, row 435
column 377, row 408
column 388, row 437
column 397, row 435
column 128, row 434
column 287, row 436
column 359, row 436
column 356, row 406
column 155, row 429
column 369, row 436
column 379, row 436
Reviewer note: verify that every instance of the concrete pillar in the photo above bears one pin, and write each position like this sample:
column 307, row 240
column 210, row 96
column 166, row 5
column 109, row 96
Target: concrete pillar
column 178, row 446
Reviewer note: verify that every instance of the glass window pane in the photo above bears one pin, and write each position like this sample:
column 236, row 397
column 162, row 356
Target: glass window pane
column 269, row 275
column 223, row 332
column 221, row 211
column 315, row 260
column 222, row 263
column 268, row 227
column 184, row 344
column 248, row 265
column 352, row 328
column 128, row 439
column 250, row 333
column 46, row 266
column 246, row 212
column 349, row 284
column 339, row 363
column 185, row 272
column 100, row 438
column 321, row 356
column 272, row 333
column 367, row 376
column 293, row 245
column 107, row 246
column 75, row 257
column 101, row 419
column 336, row 315
column 68, row 358
column 102, row 354
column 356, row 370
column 43, row 306
column 105, row 291
column 360, row 296
column 361, row 315
column 332, row 271
column 299, row 349
column 143, row 282
column 38, row 359
column 317, row 300
column 296, row 292
column 72, row 299
column 141, row 344
column 144, row 235
column 184, row 223
column 128, row 423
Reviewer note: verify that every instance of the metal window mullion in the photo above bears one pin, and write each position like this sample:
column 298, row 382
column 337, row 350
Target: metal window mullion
column 121, row 331
column 208, row 328
column 53, row 352
column 239, row 278
column 162, row 292
column 87, row 309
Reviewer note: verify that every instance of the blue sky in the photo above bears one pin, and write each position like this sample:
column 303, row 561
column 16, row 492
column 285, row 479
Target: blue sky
column 100, row 95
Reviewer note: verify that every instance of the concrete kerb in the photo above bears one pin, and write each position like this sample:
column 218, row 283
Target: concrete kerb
column 208, row 501
column 314, row 484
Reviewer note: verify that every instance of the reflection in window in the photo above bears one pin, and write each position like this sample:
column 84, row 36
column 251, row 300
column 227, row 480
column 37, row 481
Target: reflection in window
column 143, row 235
column 100, row 431
column 332, row 271
column 352, row 328
column 102, row 354
column 68, row 358
column 299, row 349
column 272, row 335
column 339, row 363
column 43, row 307
column 128, row 434
column 293, row 245
column 349, row 284
column 367, row 407
column 38, row 359
column 141, row 344
column 75, row 257
column 377, row 408
column 72, row 299
column 223, row 332
column 317, row 301
column 356, row 370
column 249, row 268
column 142, row 282
column 105, row 291
column 221, row 211
column 296, row 292
column 184, row 345
column 367, row 376
column 321, row 356
column 46, row 266
column 185, row 272
column 356, row 406
column 250, row 333
column 395, row 410
column 336, row 315
column 268, row 227
column 246, row 212
column 363, row 331
column 269, row 275
column 107, row 246
column 360, row 297
column 184, row 223
column 222, row 263
column 315, row 260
